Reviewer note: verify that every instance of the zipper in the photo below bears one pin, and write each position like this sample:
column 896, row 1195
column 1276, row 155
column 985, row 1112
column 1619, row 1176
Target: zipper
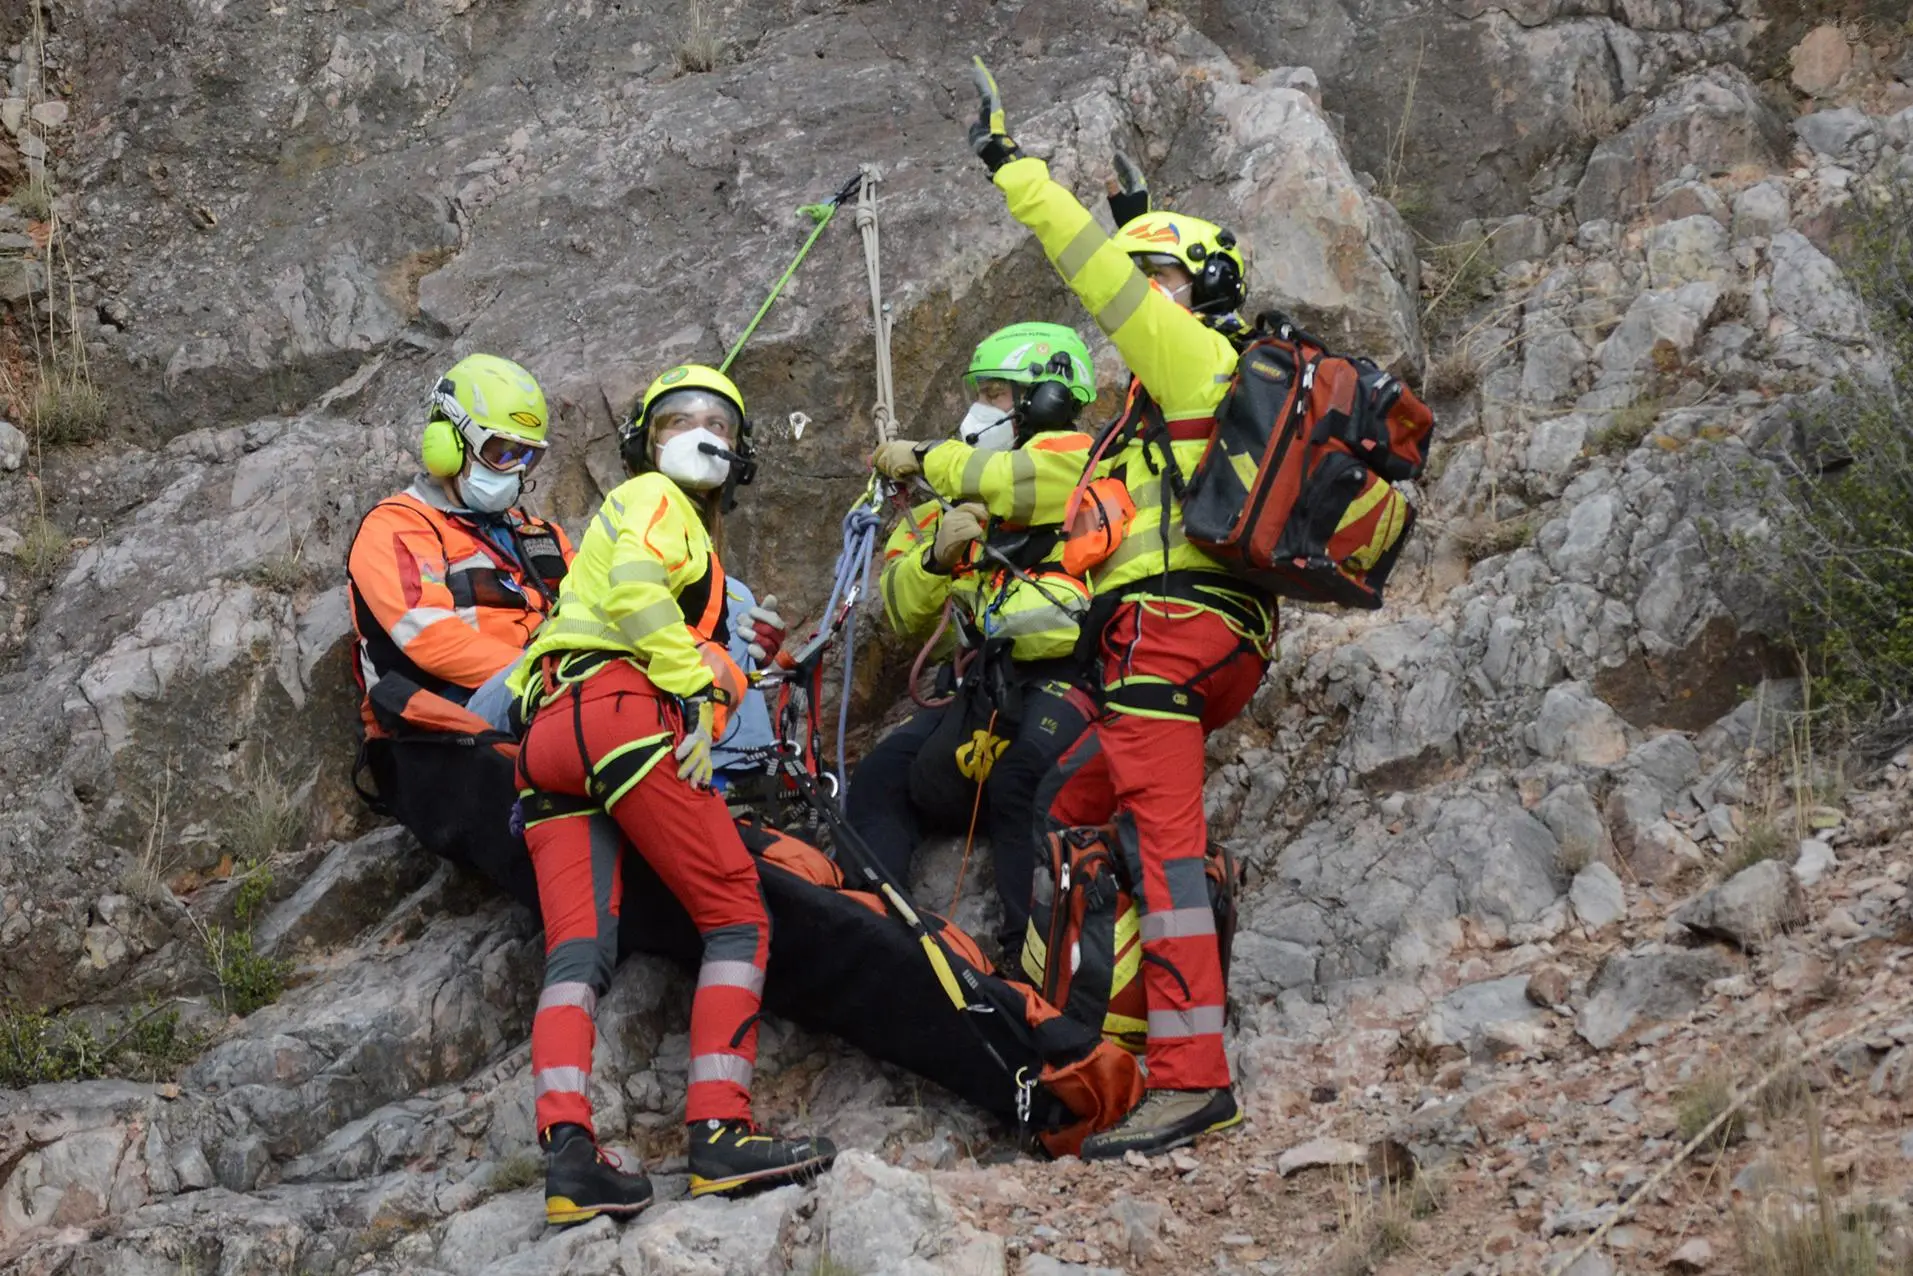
column 1296, row 410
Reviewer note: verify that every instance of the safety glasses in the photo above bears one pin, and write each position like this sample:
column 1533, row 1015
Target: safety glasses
column 689, row 409
column 506, row 454
column 1155, row 265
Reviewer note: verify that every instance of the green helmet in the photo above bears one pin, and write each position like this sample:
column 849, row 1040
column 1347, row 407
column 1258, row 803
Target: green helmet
column 1029, row 353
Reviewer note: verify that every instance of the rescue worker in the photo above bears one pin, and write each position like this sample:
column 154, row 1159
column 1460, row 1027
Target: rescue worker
column 448, row 581
column 1020, row 702
column 626, row 689
column 1183, row 644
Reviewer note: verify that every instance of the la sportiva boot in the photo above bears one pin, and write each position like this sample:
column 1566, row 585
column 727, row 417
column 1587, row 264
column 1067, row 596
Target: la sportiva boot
column 582, row 1180
column 731, row 1158
column 1165, row 1119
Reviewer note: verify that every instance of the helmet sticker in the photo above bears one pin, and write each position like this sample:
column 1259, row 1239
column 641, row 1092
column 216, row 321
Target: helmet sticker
column 478, row 400
column 674, row 376
column 527, row 419
column 1162, row 233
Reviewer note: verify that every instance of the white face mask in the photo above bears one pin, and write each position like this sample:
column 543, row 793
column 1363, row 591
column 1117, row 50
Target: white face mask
column 487, row 491
column 680, row 461
column 987, row 429
column 1178, row 295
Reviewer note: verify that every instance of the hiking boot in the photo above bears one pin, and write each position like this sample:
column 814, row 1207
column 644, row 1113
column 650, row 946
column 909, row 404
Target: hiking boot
column 730, row 1158
column 1165, row 1119
column 583, row 1181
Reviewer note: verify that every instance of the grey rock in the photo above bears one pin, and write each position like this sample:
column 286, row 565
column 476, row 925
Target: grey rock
column 1814, row 861
column 718, row 1238
column 1486, row 1018
column 1668, row 761
column 1592, row 1263
column 1570, row 814
column 13, row 447
column 1688, row 251
column 883, row 1219
column 1555, row 446
column 1644, row 838
column 1749, row 909
column 354, row 887
column 1516, row 239
column 491, row 1231
column 1574, row 726
column 1833, row 133
column 1597, row 897
column 1676, row 316
column 1808, row 289
column 1689, row 199
column 1713, row 119
column 1643, row 986
column 242, row 1162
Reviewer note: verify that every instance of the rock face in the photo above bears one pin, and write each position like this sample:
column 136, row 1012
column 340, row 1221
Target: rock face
column 288, row 220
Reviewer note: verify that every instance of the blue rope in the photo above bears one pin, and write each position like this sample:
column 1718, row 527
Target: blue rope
column 852, row 570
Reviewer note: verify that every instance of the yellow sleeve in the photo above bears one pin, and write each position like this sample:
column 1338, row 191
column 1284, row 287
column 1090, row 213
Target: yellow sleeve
column 656, row 554
column 913, row 596
column 1183, row 363
column 1028, row 486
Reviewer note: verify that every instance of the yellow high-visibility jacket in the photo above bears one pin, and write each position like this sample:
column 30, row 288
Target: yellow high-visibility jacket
column 1185, row 366
column 645, row 584
column 1041, row 620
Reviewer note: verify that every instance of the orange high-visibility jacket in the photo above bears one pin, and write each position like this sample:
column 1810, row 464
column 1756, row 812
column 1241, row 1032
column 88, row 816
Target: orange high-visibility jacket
column 436, row 601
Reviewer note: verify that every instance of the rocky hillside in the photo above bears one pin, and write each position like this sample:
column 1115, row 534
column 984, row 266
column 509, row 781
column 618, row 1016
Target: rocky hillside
column 1534, row 859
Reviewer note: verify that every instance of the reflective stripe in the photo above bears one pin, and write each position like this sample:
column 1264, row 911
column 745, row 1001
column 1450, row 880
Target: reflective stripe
column 731, row 974
column 605, row 525
column 1124, row 305
column 417, row 621
column 645, row 621
column 734, row 1068
column 1077, row 252
column 642, row 571
column 559, row 1081
column 477, row 562
column 972, row 481
column 1197, row 1021
column 469, row 615
column 1177, row 923
column 1022, row 487
column 568, row 993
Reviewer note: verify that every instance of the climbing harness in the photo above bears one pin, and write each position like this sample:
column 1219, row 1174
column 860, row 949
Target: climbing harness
column 822, row 215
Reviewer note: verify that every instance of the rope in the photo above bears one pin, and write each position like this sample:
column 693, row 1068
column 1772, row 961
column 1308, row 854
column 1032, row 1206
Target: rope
column 882, row 412
column 849, row 583
column 819, row 213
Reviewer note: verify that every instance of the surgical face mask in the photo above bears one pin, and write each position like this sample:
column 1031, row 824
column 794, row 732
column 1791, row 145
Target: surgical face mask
column 1178, row 295
column 987, row 429
column 487, row 491
column 680, row 461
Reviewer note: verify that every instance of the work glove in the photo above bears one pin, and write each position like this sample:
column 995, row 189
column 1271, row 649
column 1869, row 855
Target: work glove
column 990, row 136
column 700, row 733
column 955, row 531
column 898, row 459
column 768, row 630
column 1128, row 191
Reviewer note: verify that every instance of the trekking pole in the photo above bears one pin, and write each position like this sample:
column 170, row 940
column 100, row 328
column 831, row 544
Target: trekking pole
column 819, row 213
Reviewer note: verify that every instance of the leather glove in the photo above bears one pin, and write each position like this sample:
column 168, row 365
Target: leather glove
column 898, row 459
column 990, row 136
column 768, row 631
column 1128, row 191
column 700, row 733
column 955, row 531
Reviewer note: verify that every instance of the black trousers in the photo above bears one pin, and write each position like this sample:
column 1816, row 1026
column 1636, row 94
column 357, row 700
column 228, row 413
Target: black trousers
column 921, row 779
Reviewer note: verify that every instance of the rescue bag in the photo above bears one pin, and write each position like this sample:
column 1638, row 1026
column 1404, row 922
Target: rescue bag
column 1296, row 490
column 1084, row 950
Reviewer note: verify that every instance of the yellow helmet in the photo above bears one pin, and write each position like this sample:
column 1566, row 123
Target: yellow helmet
column 487, row 406
column 685, row 379
column 1207, row 251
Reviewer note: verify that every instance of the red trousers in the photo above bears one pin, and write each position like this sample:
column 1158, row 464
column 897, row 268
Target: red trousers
column 603, row 748
column 1144, row 763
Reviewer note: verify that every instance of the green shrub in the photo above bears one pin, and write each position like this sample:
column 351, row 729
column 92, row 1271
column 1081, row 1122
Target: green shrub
column 247, row 980
column 32, row 199
column 1627, row 429
column 67, row 408
column 36, row 1048
column 1834, row 546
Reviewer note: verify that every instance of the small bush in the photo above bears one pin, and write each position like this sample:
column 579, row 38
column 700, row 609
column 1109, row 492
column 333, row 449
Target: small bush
column 1698, row 1103
column 266, row 820
column 701, row 48
column 255, row 887
column 247, row 980
column 516, row 1172
column 67, row 408
column 1625, row 432
column 1456, row 277
column 1762, row 841
column 1377, row 1224
column 36, row 1048
column 1485, row 540
column 33, row 199
column 1455, row 373
column 43, row 548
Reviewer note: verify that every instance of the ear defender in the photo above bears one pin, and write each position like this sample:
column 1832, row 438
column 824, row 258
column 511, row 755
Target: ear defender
column 442, row 449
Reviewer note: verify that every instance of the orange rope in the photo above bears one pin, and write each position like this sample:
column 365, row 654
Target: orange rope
column 976, row 804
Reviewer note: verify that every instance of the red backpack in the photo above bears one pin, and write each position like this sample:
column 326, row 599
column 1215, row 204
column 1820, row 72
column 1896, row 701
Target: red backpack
column 1295, row 492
